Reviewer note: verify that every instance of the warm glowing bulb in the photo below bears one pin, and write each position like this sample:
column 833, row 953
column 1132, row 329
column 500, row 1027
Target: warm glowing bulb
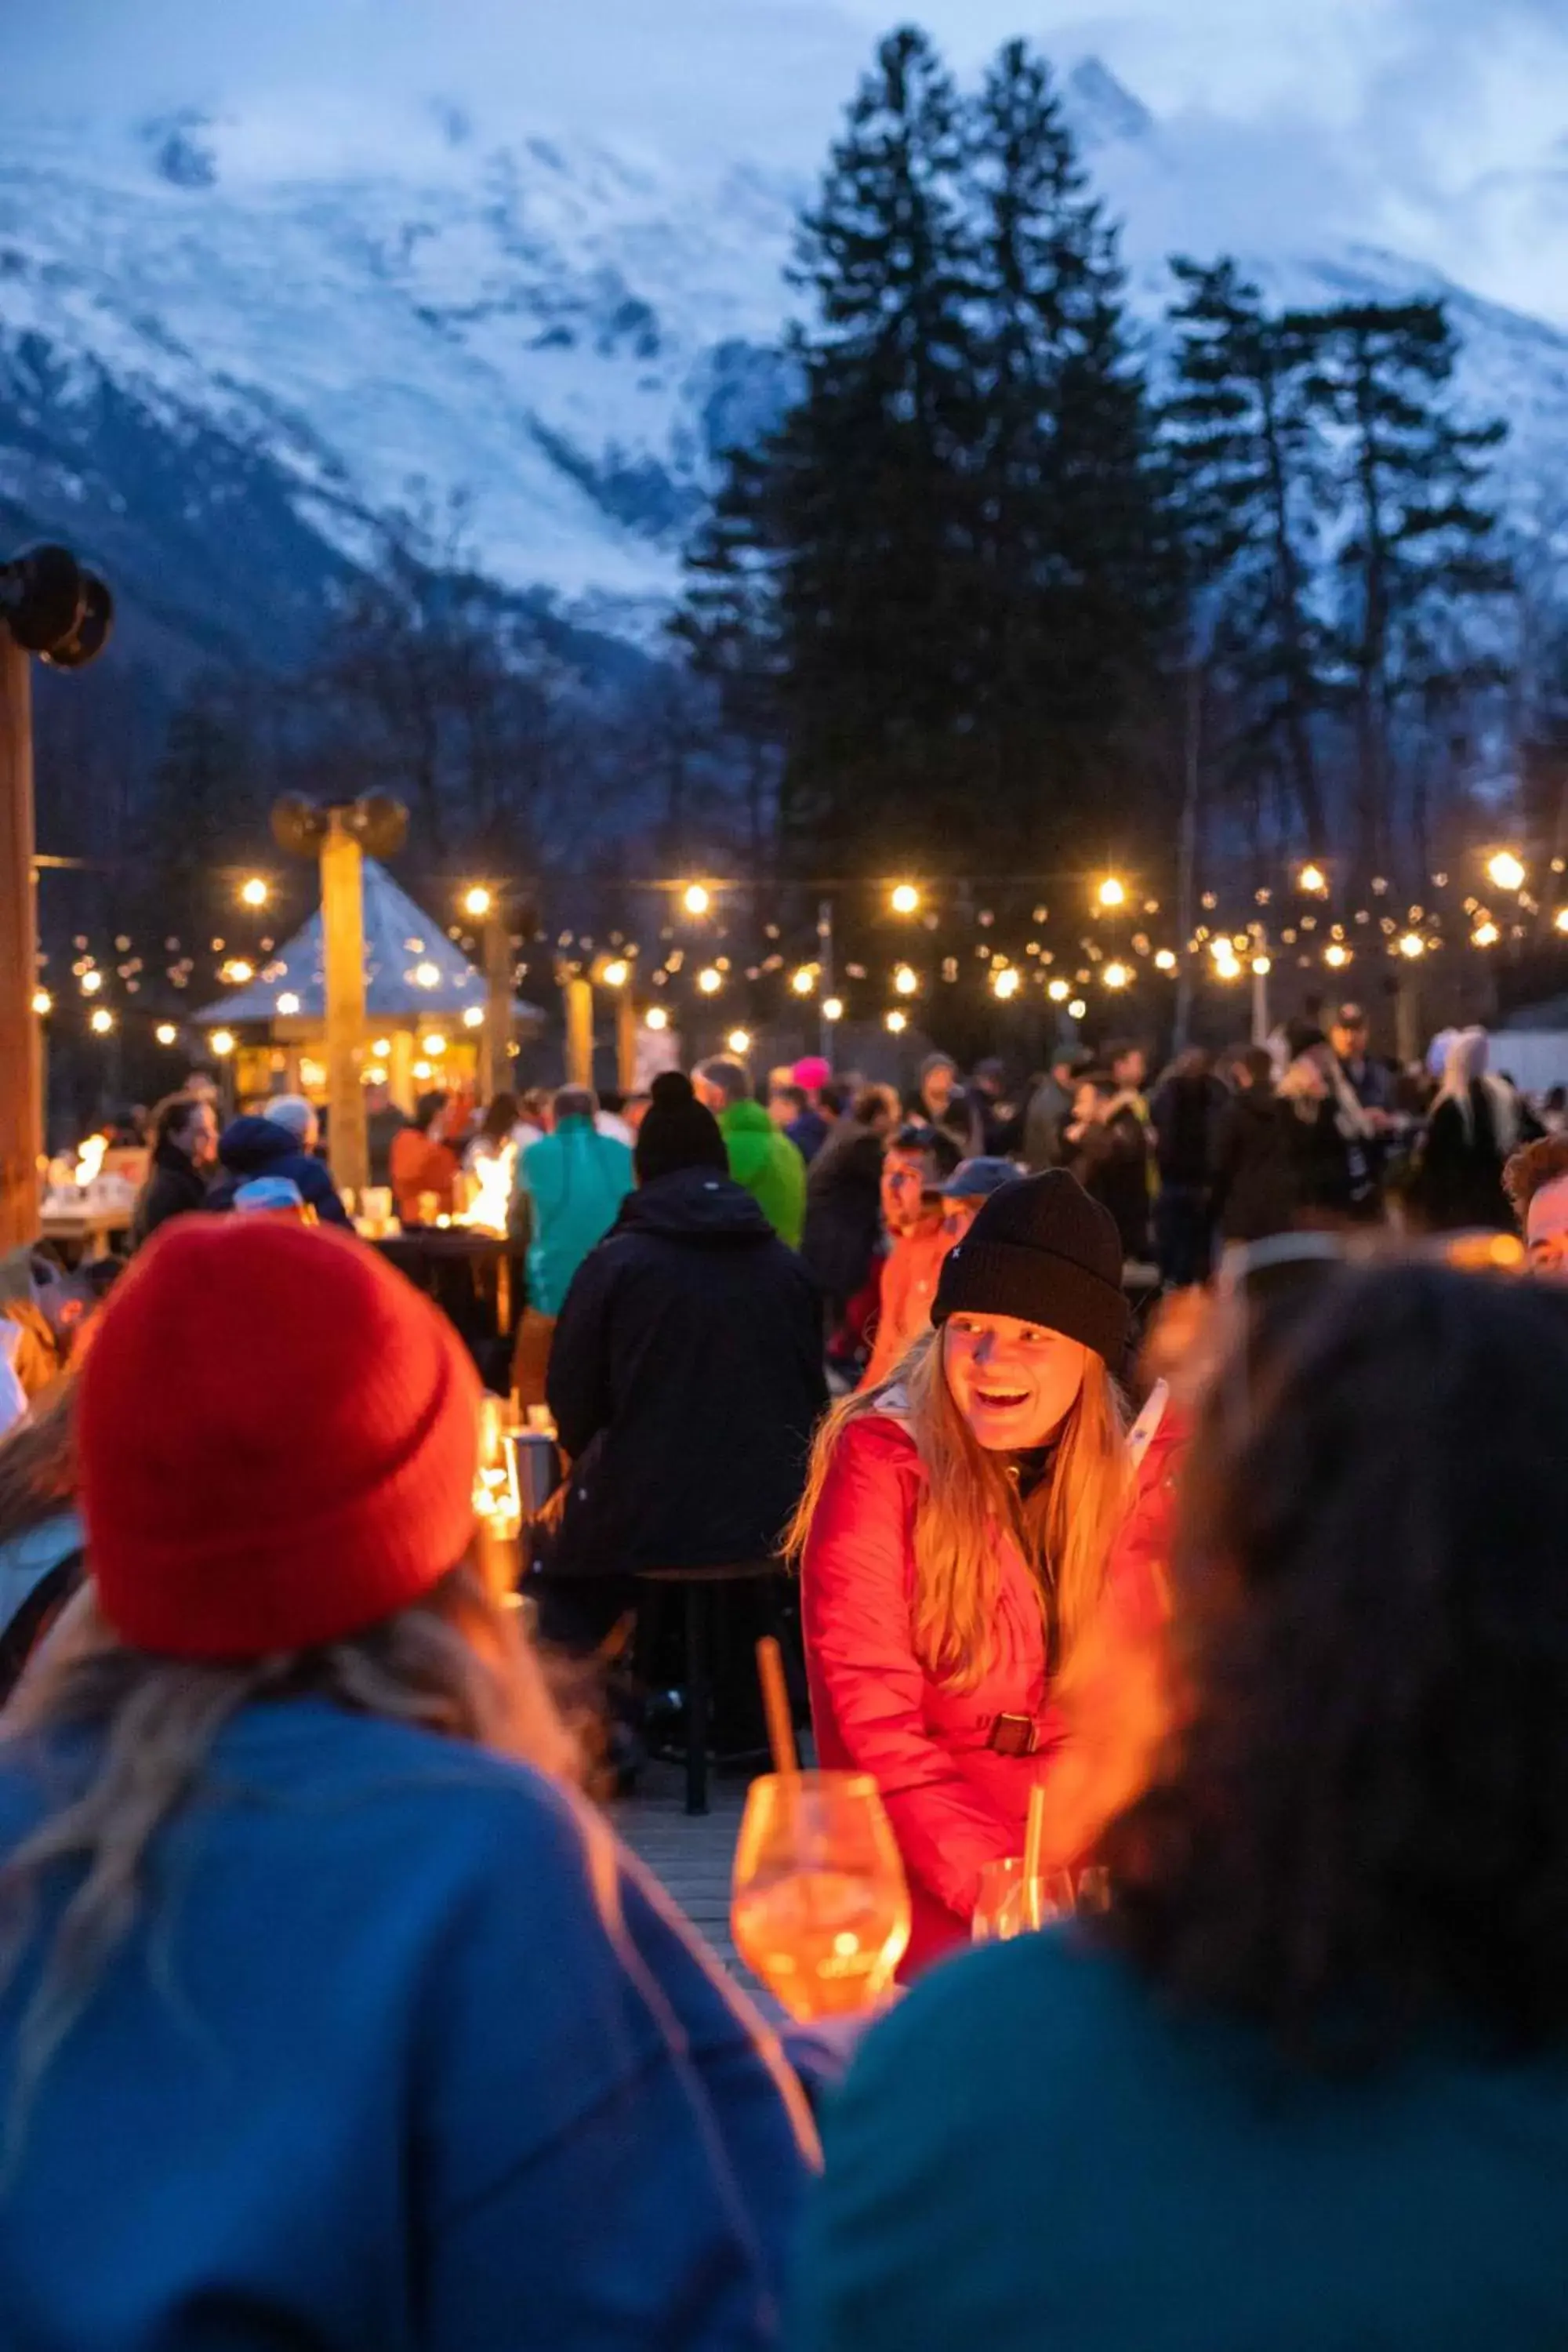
column 428, row 975
column 474, row 1016
column 1505, row 871
column 254, row 892
column 434, row 1044
column 288, row 1003
column 1004, row 983
column 237, row 971
column 1312, row 879
column 1165, row 960
column 898, row 1021
column 1112, row 893
column 1412, row 944
column 1335, row 956
column 696, row 900
column 904, row 898
column 1262, row 966
column 102, row 1021
column 222, row 1041
column 804, row 979
column 1057, row 990
column 739, row 1041
column 1116, row 975
column 42, row 1001
column 709, row 981
column 91, row 981
column 905, row 981
column 381, row 1048
column 166, row 1033
column 421, row 1070
column 1485, row 935
column 477, row 901
column 832, row 1008
column 615, row 972
column 1077, row 1009
column 1560, row 920
column 656, row 1017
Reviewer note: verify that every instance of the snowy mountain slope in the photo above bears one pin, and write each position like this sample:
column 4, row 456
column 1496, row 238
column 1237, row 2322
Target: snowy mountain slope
column 223, row 356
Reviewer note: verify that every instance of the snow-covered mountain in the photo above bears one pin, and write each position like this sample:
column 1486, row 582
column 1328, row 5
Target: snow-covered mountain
column 224, row 357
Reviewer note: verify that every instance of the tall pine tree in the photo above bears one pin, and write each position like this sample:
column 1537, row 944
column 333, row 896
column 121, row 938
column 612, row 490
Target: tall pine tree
column 1072, row 586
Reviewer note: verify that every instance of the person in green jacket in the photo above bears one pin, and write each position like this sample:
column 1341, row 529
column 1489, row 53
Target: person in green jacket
column 1304, row 2087
column 566, row 1194
column 762, row 1156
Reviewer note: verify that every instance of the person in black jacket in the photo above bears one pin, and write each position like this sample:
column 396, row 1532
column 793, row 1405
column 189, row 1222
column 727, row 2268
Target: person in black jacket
column 686, row 1380
column 1252, row 1168
column 184, row 1148
column 280, row 1144
column 843, row 1200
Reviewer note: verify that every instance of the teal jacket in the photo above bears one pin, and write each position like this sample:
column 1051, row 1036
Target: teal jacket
column 766, row 1162
column 570, row 1185
column 1034, row 2150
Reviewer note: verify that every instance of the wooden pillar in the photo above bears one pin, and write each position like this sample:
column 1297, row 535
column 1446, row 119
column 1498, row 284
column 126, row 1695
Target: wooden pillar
column 579, row 1033
column 495, row 1040
column 343, row 931
column 626, row 1041
column 21, row 1101
column 400, row 1072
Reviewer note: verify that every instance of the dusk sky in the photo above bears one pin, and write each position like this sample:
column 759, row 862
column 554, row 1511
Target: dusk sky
column 1433, row 126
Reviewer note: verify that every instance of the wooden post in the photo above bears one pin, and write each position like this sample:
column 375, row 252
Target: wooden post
column 625, row 1040
column 343, row 931
column 21, row 1101
column 579, row 1031
column 495, row 1040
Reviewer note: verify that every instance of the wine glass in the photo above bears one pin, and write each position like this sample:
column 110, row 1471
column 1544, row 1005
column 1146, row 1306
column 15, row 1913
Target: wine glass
column 1011, row 1905
column 821, row 1908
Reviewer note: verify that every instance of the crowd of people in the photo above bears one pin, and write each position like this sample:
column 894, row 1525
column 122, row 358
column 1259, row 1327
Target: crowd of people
column 334, row 2013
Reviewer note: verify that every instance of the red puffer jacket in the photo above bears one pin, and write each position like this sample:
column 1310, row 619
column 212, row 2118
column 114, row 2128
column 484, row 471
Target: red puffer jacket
column 955, row 1802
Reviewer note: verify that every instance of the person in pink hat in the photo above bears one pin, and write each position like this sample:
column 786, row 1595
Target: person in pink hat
column 328, row 2014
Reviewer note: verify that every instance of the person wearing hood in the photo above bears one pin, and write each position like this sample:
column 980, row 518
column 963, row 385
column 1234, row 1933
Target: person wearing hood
column 1475, row 1125
column 686, row 1378
column 185, row 1154
column 762, row 1158
column 280, row 1144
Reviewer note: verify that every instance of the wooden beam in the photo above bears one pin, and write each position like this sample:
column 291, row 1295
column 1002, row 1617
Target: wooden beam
column 495, row 1039
column 21, row 1090
column 342, row 927
column 579, row 1033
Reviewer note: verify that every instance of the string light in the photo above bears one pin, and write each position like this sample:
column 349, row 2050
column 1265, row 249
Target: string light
column 1336, row 955
column 1485, row 935
column 434, row 1045
column 696, row 901
column 166, row 1034
column 1314, row 881
column 1057, row 990
column 1004, row 982
column 1116, row 975
column 1112, row 893
column 904, row 898
column 898, row 1021
column 237, row 971
column 1412, row 945
column 91, row 981
column 1505, row 871
column 254, row 892
column 421, row 1070
column 1077, row 1009
column 474, row 1016
column 739, row 1041
column 1165, row 960
column 381, row 1048
column 616, row 973
column 477, row 902
column 223, row 1042
column 905, row 981
column 832, row 1008
column 42, row 1002
column 1262, row 966
column 803, row 981
column 102, row 1022
column 656, row 1017
column 288, row 1003
column 1560, row 920
column 428, row 975
column 709, row 981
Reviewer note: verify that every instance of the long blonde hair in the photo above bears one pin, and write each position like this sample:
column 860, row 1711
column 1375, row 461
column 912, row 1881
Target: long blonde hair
column 454, row 1662
column 1064, row 1529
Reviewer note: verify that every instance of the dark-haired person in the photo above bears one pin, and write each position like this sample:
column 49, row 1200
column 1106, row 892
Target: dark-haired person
column 1252, row 1168
column 1305, row 2085
column 185, row 1154
column 321, row 1992
column 844, row 1213
column 685, row 1379
column 1536, row 1182
column 916, row 1162
column 422, row 1164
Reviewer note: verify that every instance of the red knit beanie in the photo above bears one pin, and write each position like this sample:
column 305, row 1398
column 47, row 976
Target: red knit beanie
column 278, row 1439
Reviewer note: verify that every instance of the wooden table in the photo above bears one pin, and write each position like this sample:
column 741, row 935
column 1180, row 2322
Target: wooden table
column 468, row 1273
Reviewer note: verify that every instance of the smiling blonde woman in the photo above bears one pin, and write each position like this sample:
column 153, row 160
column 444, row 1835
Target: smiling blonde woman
column 954, row 1540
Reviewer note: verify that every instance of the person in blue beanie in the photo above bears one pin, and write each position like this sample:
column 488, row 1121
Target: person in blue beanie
column 329, row 2015
column 1304, row 2087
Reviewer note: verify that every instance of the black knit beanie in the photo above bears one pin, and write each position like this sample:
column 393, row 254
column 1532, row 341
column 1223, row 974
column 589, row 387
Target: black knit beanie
column 676, row 1132
column 1042, row 1250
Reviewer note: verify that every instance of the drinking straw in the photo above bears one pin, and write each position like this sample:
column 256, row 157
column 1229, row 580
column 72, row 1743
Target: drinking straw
column 775, row 1706
column 1035, row 1834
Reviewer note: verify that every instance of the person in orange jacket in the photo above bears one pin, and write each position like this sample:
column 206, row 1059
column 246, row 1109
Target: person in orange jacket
column 913, row 1168
column 955, row 1535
